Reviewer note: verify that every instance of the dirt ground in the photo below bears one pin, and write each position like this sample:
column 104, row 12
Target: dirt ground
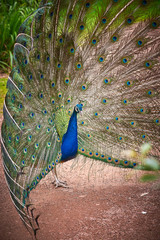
column 102, row 203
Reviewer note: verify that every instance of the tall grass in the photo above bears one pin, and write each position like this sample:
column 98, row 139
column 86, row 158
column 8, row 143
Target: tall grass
column 12, row 15
column 3, row 91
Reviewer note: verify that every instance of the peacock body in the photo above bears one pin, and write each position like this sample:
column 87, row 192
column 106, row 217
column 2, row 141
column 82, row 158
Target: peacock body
column 99, row 55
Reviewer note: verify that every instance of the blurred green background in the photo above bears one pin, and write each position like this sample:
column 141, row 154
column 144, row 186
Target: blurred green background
column 12, row 14
column 3, row 91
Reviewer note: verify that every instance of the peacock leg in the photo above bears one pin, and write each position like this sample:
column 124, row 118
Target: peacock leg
column 57, row 182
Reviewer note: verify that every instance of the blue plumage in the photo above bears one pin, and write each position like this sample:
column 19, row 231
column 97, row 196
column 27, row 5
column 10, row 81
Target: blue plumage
column 69, row 145
column 105, row 54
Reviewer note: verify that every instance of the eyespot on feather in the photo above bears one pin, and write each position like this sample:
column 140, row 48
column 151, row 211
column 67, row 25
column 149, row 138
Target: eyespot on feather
column 109, row 159
column 79, row 66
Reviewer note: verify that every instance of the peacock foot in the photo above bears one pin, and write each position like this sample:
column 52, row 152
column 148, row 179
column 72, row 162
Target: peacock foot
column 59, row 183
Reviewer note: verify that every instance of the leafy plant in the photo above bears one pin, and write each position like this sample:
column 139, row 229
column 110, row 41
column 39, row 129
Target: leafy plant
column 148, row 163
column 12, row 15
column 3, row 91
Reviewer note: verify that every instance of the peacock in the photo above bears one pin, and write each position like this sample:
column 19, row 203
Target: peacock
column 86, row 80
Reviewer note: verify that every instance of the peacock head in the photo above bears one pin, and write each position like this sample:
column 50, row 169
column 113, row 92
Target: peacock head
column 78, row 108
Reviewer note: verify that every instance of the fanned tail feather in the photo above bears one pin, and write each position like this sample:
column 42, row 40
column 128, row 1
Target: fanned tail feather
column 102, row 54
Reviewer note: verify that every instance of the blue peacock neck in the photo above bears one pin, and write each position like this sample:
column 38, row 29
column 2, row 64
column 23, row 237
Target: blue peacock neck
column 69, row 145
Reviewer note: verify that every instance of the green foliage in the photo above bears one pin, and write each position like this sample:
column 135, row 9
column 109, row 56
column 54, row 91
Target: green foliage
column 149, row 163
column 149, row 177
column 3, row 91
column 12, row 15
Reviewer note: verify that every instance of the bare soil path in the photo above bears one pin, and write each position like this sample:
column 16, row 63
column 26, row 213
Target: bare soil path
column 112, row 205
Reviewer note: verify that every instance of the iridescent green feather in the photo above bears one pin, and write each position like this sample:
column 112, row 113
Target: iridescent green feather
column 103, row 54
